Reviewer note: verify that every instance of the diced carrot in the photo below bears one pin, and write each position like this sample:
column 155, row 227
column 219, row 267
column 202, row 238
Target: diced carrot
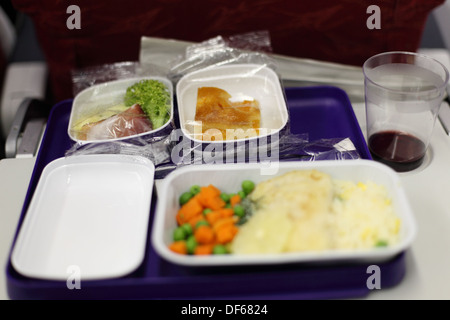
column 226, row 212
column 180, row 218
column 194, row 220
column 223, row 222
column 178, row 247
column 226, row 234
column 213, row 217
column 190, row 209
column 216, row 203
column 209, row 192
column 204, row 234
column 235, row 200
column 209, row 197
column 204, row 249
column 214, row 189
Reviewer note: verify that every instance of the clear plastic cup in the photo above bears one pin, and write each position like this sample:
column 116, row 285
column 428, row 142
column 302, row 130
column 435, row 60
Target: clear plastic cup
column 403, row 94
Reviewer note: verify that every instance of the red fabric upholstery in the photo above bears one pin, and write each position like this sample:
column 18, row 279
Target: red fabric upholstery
column 326, row 30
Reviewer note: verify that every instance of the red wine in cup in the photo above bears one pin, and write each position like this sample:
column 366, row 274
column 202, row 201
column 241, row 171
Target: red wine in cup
column 401, row 151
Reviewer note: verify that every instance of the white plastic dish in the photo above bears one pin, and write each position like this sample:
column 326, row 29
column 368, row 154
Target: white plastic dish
column 98, row 98
column 239, row 80
column 230, row 176
column 87, row 212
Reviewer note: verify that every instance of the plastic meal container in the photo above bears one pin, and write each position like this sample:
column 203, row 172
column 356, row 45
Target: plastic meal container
column 240, row 81
column 228, row 177
column 88, row 212
column 98, row 98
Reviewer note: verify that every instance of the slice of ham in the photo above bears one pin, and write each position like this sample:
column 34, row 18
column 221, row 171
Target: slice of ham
column 127, row 123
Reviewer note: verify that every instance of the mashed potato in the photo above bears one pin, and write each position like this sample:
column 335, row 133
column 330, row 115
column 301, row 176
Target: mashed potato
column 306, row 210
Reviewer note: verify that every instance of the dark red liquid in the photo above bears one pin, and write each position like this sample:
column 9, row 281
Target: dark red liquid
column 399, row 150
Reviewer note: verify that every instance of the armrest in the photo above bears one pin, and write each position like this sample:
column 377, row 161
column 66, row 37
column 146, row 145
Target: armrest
column 27, row 128
column 22, row 107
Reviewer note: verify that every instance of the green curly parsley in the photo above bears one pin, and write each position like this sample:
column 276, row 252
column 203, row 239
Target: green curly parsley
column 154, row 98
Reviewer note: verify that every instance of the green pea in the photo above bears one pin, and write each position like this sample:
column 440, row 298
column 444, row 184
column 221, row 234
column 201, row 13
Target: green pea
column 191, row 244
column 201, row 223
column 220, row 249
column 228, row 206
column 179, row 234
column 187, row 228
column 207, row 210
column 248, row 186
column 185, row 197
column 225, row 197
column 195, row 189
column 242, row 194
column 381, row 244
column 239, row 211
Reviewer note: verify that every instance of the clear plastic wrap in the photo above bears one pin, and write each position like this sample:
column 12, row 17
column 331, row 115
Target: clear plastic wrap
column 158, row 151
column 231, row 102
column 244, row 48
column 292, row 147
column 122, row 109
column 240, row 67
column 83, row 78
column 230, row 99
column 321, row 149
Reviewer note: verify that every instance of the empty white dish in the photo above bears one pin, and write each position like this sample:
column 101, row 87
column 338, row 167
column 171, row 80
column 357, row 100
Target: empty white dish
column 87, row 212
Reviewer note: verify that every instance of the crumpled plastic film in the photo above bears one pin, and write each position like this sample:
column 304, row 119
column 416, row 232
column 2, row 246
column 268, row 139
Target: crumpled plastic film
column 221, row 51
column 129, row 122
column 251, row 47
column 120, row 100
column 291, row 147
column 325, row 149
column 185, row 151
column 86, row 77
column 158, row 151
column 230, row 77
column 176, row 149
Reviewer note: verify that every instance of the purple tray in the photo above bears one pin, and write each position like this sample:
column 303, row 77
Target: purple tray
column 324, row 112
